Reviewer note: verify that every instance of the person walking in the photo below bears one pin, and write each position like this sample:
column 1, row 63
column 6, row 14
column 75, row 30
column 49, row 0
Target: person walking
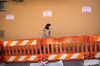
column 46, row 31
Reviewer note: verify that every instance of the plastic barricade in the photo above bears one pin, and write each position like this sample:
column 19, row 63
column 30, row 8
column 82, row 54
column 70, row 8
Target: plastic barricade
column 51, row 49
column 21, row 50
column 1, row 51
column 95, row 46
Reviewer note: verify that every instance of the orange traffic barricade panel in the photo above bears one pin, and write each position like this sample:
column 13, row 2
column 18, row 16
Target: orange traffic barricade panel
column 96, row 41
column 52, row 49
column 23, row 58
column 68, row 56
column 21, row 50
column 20, row 42
column 1, row 51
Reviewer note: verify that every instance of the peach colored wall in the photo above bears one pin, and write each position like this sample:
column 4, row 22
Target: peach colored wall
column 67, row 18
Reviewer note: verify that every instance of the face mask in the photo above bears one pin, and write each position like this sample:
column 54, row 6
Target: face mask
column 50, row 27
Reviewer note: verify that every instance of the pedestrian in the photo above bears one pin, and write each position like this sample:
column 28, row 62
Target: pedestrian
column 46, row 31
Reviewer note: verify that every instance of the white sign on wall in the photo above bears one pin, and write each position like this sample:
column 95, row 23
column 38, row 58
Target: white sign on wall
column 86, row 9
column 47, row 13
column 9, row 17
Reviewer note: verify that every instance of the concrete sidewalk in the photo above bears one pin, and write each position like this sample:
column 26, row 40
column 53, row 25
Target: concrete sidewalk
column 59, row 63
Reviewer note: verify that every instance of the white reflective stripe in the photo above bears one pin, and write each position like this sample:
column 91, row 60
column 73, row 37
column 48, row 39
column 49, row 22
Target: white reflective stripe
column 82, row 56
column 63, row 56
column 5, row 43
column 13, row 43
column 21, row 58
column 32, row 58
column 97, row 55
column 34, row 42
column 98, row 39
column 12, row 58
column 24, row 42
column 74, row 56
column 51, row 57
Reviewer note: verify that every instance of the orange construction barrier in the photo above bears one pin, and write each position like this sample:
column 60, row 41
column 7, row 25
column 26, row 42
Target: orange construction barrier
column 95, row 46
column 77, row 45
column 52, row 49
column 21, row 50
column 57, row 49
column 1, row 51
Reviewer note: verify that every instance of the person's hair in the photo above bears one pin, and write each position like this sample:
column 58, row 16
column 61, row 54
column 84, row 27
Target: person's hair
column 47, row 26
